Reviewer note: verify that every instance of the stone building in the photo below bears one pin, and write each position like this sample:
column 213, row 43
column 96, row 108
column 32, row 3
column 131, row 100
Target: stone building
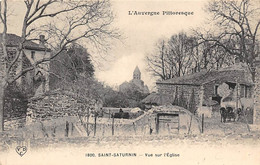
column 135, row 84
column 37, row 80
column 227, row 84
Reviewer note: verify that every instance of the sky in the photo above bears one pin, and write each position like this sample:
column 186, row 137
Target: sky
column 142, row 33
column 139, row 35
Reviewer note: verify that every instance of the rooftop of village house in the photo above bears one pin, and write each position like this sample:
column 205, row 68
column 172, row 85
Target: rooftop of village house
column 236, row 73
column 14, row 40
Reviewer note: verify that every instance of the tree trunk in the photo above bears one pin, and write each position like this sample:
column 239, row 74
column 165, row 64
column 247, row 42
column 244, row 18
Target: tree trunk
column 2, row 86
column 1, row 107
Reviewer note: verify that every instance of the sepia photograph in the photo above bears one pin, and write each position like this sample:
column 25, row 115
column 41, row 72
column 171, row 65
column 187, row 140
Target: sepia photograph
column 129, row 82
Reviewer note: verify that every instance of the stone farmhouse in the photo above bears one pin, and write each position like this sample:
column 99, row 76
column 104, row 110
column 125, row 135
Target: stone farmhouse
column 209, row 81
column 215, row 86
column 37, row 80
column 135, row 84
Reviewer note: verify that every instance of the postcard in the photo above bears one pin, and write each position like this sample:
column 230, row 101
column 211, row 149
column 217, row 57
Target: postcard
column 129, row 82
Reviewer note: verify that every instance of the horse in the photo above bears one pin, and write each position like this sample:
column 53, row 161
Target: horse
column 231, row 114
column 223, row 114
column 227, row 113
column 239, row 113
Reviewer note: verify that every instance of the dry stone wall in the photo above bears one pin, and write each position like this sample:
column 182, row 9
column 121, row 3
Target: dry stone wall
column 57, row 105
column 47, row 107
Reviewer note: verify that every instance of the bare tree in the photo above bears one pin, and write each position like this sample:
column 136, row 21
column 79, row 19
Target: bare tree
column 237, row 24
column 172, row 58
column 209, row 56
column 180, row 52
column 156, row 62
column 63, row 22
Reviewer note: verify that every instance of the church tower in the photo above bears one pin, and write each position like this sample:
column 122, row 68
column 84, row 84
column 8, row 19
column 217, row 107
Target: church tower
column 137, row 74
column 135, row 84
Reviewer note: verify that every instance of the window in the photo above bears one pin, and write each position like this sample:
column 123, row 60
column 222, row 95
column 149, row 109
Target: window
column 250, row 92
column 216, row 90
column 246, row 91
column 33, row 54
column 11, row 55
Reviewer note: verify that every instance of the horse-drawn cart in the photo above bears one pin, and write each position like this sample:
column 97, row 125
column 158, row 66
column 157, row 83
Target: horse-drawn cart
column 237, row 111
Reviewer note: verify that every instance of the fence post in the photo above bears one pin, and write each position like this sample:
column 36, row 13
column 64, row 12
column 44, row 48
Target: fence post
column 168, row 127
column 103, row 132
column 67, row 129
column 54, row 130
column 134, row 128
column 157, row 123
column 150, row 126
column 72, row 129
column 113, row 118
column 95, row 125
column 179, row 121
column 202, row 124
column 190, row 124
column 87, row 122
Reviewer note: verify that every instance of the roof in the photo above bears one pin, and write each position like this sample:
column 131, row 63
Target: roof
column 13, row 40
column 230, row 74
column 137, row 70
column 159, row 99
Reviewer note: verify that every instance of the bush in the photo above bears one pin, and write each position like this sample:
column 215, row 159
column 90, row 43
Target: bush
column 15, row 104
column 122, row 115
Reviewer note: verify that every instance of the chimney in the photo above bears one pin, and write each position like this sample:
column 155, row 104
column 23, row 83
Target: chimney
column 42, row 41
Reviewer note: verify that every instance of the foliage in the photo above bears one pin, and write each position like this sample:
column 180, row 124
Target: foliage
column 80, row 61
column 128, row 98
column 15, row 101
column 72, row 64
column 134, row 95
column 114, row 98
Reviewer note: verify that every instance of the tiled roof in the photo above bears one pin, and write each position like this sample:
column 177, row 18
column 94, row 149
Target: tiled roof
column 229, row 74
column 13, row 40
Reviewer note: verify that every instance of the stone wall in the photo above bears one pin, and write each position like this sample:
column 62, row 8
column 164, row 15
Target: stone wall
column 186, row 89
column 53, row 106
column 57, row 105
